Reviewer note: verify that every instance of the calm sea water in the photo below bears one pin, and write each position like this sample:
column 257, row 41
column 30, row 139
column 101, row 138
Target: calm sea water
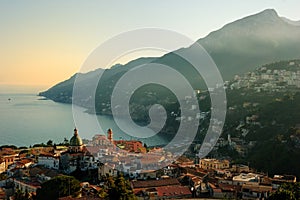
column 25, row 120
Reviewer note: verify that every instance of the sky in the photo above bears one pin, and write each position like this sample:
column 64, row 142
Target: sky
column 43, row 42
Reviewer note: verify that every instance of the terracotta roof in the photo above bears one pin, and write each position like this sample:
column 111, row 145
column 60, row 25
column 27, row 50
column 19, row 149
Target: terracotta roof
column 154, row 183
column 195, row 172
column 26, row 160
column 149, row 159
column 173, row 191
column 258, row 188
column 42, row 170
column 93, row 149
column 230, row 188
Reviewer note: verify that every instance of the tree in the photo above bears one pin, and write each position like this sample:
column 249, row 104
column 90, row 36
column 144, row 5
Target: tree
column 102, row 193
column 49, row 143
column 290, row 191
column 3, row 176
column 119, row 188
column 59, row 186
column 145, row 145
column 8, row 146
column 19, row 195
column 66, row 141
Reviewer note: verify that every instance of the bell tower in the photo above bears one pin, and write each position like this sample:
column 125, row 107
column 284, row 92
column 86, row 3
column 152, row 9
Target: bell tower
column 110, row 135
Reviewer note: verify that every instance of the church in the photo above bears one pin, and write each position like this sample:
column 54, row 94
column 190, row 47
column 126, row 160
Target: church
column 77, row 156
column 76, row 144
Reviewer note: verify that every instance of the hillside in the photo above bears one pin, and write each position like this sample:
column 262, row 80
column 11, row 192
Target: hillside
column 252, row 41
column 263, row 118
column 263, row 104
column 236, row 48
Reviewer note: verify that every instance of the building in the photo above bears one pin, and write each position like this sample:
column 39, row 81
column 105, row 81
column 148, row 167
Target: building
column 100, row 140
column 77, row 155
column 246, row 178
column 110, row 135
column 173, row 192
column 2, row 166
column 7, row 157
column 75, row 142
column 29, row 186
column 278, row 180
column 250, row 191
column 133, row 146
column 214, row 164
column 130, row 146
column 240, row 168
column 49, row 160
column 160, row 189
column 106, row 169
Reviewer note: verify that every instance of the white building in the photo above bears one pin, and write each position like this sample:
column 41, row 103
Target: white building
column 246, row 178
column 49, row 160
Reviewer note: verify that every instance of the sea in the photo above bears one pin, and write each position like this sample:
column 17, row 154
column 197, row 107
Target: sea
column 28, row 119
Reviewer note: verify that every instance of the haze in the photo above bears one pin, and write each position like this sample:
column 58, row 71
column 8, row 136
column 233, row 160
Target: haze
column 45, row 42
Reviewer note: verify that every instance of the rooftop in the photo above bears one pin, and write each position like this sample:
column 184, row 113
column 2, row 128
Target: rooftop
column 154, row 183
column 176, row 190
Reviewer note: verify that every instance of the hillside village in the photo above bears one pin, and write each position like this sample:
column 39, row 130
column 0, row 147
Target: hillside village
column 275, row 77
column 153, row 172
column 262, row 114
column 27, row 169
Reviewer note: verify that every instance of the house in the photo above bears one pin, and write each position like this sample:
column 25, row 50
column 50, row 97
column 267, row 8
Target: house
column 130, row 145
column 147, row 174
column 156, row 189
column 214, row 164
column 7, row 157
column 41, row 173
column 173, row 191
column 2, row 166
column 137, row 185
column 278, row 180
column 24, row 163
column 216, row 192
column 100, row 140
column 240, row 168
column 255, row 191
column 245, row 178
column 106, row 169
column 49, row 160
column 29, row 186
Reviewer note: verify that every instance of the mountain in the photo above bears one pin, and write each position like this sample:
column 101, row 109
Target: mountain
column 263, row 118
column 252, row 41
column 236, row 48
column 295, row 23
column 62, row 92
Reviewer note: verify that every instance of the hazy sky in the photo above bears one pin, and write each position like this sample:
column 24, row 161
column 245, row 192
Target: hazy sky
column 44, row 42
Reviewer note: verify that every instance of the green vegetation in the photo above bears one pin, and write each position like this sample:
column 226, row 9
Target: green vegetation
column 117, row 188
column 237, row 48
column 3, row 176
column 19, row 195
column 276, row 141
column 275, row 150
column 8, row 146
column 289, row 191
column 59, row 186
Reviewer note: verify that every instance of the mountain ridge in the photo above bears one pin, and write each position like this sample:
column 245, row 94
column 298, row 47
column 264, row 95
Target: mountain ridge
column 236, row 48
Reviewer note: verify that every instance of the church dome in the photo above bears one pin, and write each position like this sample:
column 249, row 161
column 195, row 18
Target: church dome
column 75, row 140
